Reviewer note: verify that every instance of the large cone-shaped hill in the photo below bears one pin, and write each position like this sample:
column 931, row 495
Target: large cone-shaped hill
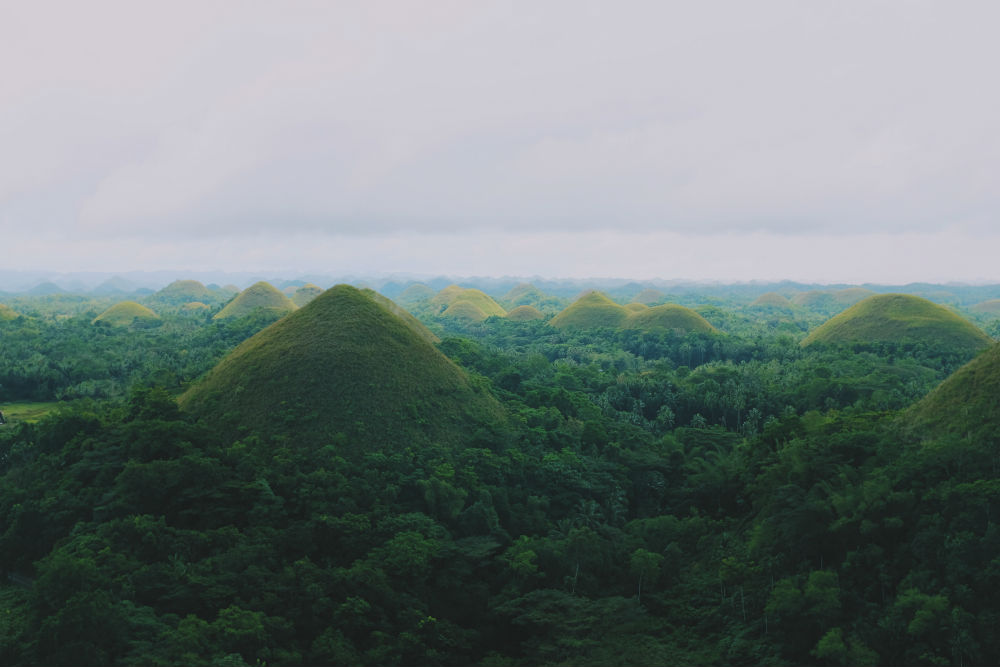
column 966, row 404
column 263, row 296
column 416, row 325
column 898, row 318
column 595, row 309
column 125, row 313
column 343, row 364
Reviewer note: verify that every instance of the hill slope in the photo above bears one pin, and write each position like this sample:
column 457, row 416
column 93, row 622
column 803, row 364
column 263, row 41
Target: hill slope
column 305, row 294
column 447, row 299
column 262, row 295
column 771, row 300
column 125, row 313
column 966, row 404
column 897, row 318
column 343, row 364
column 525, row 314
column 593, row 309
column 669, row 316
column 8, row 313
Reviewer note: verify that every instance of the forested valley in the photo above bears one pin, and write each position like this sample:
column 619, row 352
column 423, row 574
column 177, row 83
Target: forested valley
column 598, row 484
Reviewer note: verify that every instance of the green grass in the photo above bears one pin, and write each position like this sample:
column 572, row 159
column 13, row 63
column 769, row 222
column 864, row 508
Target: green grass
column 595, row 309
column 966, row 404
column 899, row 318
column 344, row 363
column 259, row 295
column 183, row 291
column 125, row 313
column 26, row 411
column 669, row 316
column 525, row 314
column 524, row 294
column 464, row 310
column 592, row 310
column 453, row 295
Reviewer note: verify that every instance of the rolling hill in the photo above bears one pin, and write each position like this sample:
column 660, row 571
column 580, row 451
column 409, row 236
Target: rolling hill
column 594, row 309
column 525, row 314
column 126, row 313
column 343, row 364
column 447, row 299
column 649, row 296
column 771, row 300
column 180, row 292
column 991, row 307
column 966, row 404
column 898, row 318
column 261, row 296
column 8, row 313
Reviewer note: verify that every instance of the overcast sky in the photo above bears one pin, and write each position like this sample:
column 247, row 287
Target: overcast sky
column 827, row 141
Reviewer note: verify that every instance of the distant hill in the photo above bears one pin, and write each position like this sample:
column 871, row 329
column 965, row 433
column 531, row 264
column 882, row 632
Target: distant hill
column 416, row 292
column 125, row 313
column 184, row 291
column 771, row 300
column 594, row 309
column 649, row 296
column 343, row 364
column 45, row 289
column 966, row 404
column 897, row 318
column 524, row 294
column 831, row 298
column 525, row 314
column 259, row 296
column 669, row 316
column 991, row 307
column 7, row 313
column 114, row 285
column 303, row 295
column 447, row 302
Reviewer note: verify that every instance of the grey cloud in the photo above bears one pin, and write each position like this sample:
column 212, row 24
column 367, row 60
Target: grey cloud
column 222, row 118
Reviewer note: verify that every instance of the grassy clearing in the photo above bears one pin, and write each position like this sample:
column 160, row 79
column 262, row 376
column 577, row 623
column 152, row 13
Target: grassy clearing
column 27, row 412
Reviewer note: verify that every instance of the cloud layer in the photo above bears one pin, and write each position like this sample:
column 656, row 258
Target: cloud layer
column 221, row 120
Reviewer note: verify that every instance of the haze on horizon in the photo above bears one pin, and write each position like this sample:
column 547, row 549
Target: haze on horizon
column 828, row 142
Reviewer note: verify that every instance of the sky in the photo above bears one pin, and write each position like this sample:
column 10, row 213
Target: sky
column 726, row 141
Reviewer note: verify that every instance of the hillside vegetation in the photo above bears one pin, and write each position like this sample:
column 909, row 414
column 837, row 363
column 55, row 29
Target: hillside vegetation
column 525, row 314
column 596, row 310
column 260, row 296
column 966, row 404
column 455, row 301
column 126, row 313
column 899, row 318
column 343, row 364
column 7, row 313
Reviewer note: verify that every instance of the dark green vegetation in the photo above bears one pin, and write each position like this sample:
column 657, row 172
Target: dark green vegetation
column 900, row 318
column 342, row 490
column 259, row 297
column 7, row 313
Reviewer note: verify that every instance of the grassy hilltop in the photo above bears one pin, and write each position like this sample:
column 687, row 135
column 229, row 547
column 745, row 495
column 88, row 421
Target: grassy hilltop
column 125, row 313
column 261, row 295
column 899, row 318
column 595, row 310
column 343, row 364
